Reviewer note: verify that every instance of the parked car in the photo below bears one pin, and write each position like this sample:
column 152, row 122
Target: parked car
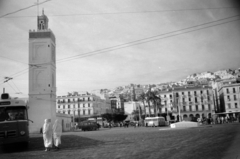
column 88, row 126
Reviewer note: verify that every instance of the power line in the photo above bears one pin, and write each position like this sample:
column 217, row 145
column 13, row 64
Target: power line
column 13, row 60
column 16, row 87
column 149, row 39
column 137, row 12
column 23, row 9
column 11, row 87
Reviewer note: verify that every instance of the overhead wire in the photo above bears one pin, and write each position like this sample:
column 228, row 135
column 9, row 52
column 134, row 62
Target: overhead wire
column 16, row 87
column 136, row 42
column 146, row 40
column 130, row 12
column 23, row 9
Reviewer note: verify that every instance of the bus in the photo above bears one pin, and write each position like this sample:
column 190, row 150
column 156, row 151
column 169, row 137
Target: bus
column 154, row 121
column 14, row 126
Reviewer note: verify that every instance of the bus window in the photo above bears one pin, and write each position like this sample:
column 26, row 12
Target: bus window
column 16, row 113
column 3, row 115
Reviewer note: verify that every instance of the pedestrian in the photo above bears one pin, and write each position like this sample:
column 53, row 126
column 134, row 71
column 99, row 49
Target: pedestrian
column 57, row 133
column 47, row 134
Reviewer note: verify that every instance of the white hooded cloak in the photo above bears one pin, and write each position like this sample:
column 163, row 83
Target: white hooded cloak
column 57, row 132
column 47, row 133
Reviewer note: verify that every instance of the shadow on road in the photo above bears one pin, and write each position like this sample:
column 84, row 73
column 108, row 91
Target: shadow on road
column 69, row 142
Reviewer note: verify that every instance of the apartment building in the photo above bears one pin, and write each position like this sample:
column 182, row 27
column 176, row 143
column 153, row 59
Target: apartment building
column 194, row 101
column 227, row 96
column 83, row 105
column 117, row 103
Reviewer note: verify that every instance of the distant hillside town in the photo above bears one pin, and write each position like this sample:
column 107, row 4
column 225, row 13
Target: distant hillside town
column 200, row 95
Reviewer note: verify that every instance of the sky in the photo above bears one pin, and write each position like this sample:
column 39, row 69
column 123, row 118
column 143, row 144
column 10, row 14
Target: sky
column 104, row 44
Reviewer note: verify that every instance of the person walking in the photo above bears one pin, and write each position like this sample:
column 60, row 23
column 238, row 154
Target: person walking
column 47, row 134
column 57, row 133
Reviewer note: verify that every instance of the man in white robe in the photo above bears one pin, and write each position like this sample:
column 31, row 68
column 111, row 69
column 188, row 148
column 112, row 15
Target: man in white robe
column 57, row 133
column 47, row 134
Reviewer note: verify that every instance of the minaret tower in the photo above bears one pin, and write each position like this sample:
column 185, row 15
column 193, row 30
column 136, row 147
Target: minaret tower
column 42, row 75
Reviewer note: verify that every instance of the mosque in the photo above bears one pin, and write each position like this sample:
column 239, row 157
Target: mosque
column 42, row 77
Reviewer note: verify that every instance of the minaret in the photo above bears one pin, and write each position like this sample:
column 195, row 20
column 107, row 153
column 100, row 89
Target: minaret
column 42, row 75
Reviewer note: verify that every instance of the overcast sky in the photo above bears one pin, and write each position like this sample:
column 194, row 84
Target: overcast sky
column 141, row 41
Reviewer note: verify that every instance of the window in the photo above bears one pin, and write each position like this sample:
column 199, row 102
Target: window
column 182, row 93
column 209, row 107
column 228, row 97
column 89, row 112
column 176, row 94
column 68, row 106
column 195, row 93
column 229, row 105
column 189, row 99
column 235, row 98
column 236, row 105
column 83, row 105
column 83, row 112
column 88, row 104
column 234, row 91
column 58, row 106
column 170, row 96
column 196, row 107
column 89, row 99
column 63, row 106
column 68, row 111
column 207, row 92
column 189, row 93
column 195, row 99
column 202, row 107
column 227, row 90
column 190, row 108
column 184, row 108
column 165, row 109
column 201, row 92
column 68, row 100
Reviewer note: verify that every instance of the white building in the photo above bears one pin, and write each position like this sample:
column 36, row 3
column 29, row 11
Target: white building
column 82, row 105
column 227, row 96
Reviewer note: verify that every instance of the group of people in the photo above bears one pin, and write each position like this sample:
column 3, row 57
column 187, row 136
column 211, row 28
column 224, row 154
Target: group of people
column 52, row 135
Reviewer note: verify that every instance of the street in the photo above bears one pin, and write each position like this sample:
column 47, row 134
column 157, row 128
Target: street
column 205, row 142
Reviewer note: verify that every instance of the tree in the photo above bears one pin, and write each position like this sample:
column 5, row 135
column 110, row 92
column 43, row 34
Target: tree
column 118, row 117
column 152, row 97
column 135, row 114
column 115, row 117
column 142, row 97
column 107, row 117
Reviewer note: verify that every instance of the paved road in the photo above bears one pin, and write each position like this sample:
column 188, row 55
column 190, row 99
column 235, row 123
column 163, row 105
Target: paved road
column 208, row 142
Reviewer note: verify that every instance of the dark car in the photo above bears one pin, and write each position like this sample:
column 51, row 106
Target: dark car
column 88, row 126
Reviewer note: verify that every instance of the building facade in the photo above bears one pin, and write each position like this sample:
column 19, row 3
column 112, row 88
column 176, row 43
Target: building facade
column 193, row 102
column 227, row 96
column 42, row 74
column 117, row 104
column 82, row 105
